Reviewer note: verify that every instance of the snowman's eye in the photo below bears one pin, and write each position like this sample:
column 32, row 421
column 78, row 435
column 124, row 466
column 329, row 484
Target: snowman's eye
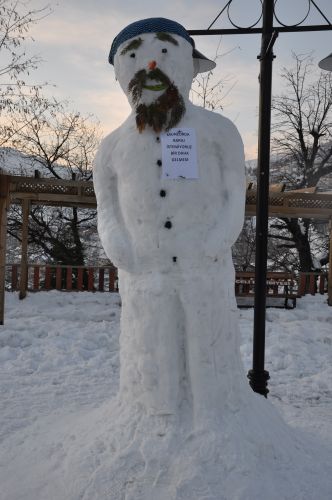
column 133, row 54
column 164, row 51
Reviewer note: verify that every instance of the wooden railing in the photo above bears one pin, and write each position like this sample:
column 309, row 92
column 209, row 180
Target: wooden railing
column 105, row 279
column 65, row 278
column 312, row 283
column 282, row 289
column 282, row 284
column 279, row 284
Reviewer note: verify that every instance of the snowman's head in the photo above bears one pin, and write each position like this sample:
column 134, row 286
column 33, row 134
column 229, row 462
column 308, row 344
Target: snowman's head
column 155, row 61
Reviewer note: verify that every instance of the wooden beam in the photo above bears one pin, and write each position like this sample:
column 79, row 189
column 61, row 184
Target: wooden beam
column 294, row 204
column 293, row 212
column 329, row 282
column 85, row 203
column 310, row 190
column 277, row 188
column 44, row 198
column 58, row 192
column 24, row 251
column 4, row 204
column 18, row 181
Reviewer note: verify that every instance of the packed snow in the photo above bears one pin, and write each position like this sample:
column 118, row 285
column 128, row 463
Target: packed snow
column 60, row 372
column 184, row 424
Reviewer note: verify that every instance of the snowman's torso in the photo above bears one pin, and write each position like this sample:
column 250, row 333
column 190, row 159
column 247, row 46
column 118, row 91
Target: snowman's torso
column 172, row 218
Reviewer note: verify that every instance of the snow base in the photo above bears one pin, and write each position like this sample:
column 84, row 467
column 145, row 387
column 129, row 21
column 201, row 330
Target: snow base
column 160, row 457
column 63, row 439
column 121, row 453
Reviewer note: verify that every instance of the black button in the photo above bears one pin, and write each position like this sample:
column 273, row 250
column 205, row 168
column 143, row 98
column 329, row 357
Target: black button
column 168, row 224
column 175, row 259
column 162, row 193
column 158, row 139
column 159, row 163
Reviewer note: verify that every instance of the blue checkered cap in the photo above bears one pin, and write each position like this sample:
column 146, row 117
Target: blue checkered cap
column 157, row 25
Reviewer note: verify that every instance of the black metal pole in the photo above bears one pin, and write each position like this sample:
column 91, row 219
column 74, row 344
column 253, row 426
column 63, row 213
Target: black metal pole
column 258, row 376
column 258, row 31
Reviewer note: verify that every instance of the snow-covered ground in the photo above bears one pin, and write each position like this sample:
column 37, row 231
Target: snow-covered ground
column 59, row 361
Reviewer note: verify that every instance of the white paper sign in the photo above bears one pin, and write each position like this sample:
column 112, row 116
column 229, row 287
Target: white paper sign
column 179, row 155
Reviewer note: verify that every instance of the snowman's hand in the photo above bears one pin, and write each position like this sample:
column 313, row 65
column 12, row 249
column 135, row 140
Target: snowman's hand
column 215, row 243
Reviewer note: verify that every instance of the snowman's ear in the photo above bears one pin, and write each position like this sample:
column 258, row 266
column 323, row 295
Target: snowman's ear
column 202, row 63
column 196, row 67
column 116, row 68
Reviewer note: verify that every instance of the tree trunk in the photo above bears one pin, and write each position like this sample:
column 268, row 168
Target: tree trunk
column 79, row 250
column 301, row 242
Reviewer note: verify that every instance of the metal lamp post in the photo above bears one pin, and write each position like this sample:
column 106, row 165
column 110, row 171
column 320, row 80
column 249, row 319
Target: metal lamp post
column 258, row 376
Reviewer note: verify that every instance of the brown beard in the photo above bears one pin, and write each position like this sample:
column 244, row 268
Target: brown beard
column 162, row 114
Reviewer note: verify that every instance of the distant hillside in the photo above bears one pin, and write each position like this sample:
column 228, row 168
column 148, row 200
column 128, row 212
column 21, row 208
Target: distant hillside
column 324, row 184
column 16, row 163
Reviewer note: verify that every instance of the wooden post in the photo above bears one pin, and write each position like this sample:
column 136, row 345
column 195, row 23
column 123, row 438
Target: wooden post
column 101, row 279
column 80, row 279
column 90, row 279
column 58, row 278
column 312, row 283
column 48, row 277
column 321, row 284
column 36, row 278
column 4, row 204
column 69, row 278
column 24, row 252
column 329, row 280
column 112, row 278
column 302, row 285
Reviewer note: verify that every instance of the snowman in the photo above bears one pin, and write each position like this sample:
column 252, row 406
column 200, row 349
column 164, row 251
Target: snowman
column 170, row 188
column 185, row 424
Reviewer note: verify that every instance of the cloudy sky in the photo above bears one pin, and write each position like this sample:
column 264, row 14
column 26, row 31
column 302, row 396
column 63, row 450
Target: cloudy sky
column 74, row 41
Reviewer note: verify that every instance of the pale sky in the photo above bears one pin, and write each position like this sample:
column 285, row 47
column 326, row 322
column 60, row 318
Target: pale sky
column 74, row 42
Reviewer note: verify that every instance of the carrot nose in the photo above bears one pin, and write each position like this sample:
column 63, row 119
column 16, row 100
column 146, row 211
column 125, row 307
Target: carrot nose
column 152, row 64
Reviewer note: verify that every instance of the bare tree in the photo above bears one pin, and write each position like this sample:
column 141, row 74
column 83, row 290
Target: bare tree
column 62, row 144
column 210, row 91
column 60, row 141
column 303, row 146
column 303, row 125
column 15, row 23
column 57, row 141
column 244, row 248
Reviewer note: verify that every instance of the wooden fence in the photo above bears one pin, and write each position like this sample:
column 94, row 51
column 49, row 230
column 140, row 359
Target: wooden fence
column 65, row 278
column 282, row 289
column 313, row 283
column 283, row 284
column 105, row 279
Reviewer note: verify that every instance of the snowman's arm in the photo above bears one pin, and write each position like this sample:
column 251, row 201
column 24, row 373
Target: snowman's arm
column 232, row 189
column 112, row 231
column 232, row 165
column 236, row 179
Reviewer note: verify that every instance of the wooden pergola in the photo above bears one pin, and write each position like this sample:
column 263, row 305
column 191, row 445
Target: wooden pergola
column 28, row 191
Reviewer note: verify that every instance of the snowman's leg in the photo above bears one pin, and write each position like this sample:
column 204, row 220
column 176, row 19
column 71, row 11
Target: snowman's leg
column 149, row 342
column 211, row 339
